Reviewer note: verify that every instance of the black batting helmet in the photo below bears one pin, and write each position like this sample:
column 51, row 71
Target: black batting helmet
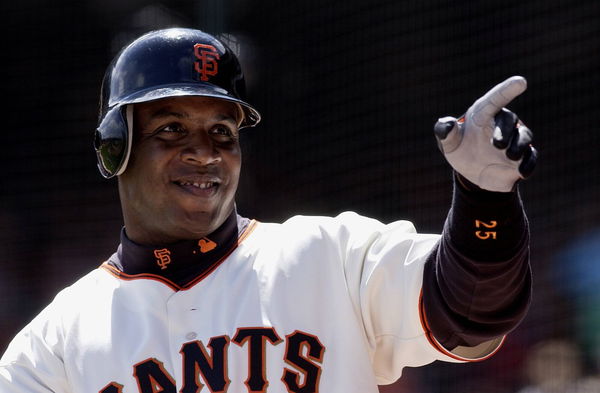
column 163, row 63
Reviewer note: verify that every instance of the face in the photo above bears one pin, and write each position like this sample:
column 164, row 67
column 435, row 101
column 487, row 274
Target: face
column 184, row 168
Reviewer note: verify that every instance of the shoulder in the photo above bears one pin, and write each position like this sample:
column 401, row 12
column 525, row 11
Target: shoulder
column 46, row 332
column 83, row 293
column 345, row 222
column 95, row 281
column 345, row 231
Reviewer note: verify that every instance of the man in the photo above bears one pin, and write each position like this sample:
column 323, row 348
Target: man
column 198, row 298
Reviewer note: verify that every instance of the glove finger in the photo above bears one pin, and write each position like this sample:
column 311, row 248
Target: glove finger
column 506, row 128
column 529, row 161
column 447, row 133
column 486, row 107
column 520, row 143
column 443, row 127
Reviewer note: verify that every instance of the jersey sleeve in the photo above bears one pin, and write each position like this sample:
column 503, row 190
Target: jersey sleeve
column 384, row 267
column 33, row 361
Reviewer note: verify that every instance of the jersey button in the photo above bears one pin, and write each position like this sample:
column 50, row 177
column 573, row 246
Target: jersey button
column 191, row 335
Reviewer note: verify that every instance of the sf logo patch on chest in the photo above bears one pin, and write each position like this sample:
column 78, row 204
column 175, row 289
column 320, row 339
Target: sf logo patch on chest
column 207, row 64
column 207, row 366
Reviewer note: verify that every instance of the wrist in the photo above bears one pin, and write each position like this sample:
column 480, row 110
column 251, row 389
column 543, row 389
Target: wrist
column 468, row 186
column 485, row 225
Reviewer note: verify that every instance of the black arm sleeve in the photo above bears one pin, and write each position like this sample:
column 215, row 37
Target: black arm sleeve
column 477, row 281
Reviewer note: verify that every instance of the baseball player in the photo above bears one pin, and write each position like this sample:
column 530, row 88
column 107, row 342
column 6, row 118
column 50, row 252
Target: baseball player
column 198, row 298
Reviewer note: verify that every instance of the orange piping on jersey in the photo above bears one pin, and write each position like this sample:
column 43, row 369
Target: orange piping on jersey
column 149, row 276
column 242, row 237
column 432, row 340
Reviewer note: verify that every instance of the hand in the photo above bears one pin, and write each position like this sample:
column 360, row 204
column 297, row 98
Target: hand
column 489, row 146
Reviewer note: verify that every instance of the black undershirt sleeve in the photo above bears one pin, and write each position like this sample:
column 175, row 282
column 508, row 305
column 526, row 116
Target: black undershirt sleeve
column 477, row 281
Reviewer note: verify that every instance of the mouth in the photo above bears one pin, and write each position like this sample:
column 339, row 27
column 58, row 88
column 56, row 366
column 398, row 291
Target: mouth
column 204, row 187
column 201, row 185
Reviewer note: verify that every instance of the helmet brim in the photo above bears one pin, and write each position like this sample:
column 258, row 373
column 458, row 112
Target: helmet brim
column 251, row 115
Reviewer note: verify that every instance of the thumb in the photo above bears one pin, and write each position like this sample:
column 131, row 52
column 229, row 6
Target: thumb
column 447, row 132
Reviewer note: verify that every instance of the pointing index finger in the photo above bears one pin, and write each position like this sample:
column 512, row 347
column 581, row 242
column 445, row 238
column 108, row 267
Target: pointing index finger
column 486, row 107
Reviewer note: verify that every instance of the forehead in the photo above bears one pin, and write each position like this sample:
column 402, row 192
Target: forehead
column 190, row 107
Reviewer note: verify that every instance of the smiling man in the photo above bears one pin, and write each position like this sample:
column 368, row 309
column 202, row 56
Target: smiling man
column 183, row 173
column 198, row 298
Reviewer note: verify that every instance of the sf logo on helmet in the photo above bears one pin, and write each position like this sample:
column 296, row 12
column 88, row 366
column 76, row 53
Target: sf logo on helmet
column 207, row 64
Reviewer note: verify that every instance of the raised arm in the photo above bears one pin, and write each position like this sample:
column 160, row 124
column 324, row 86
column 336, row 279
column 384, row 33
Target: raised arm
column 477, row 282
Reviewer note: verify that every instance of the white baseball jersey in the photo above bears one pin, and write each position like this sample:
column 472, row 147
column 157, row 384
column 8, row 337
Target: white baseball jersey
column 315, row 304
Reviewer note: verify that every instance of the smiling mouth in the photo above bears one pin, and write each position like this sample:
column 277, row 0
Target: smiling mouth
column 200, row 185
column 203, row 187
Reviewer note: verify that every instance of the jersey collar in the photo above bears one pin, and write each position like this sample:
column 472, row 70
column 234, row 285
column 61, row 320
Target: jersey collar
column 182, row 261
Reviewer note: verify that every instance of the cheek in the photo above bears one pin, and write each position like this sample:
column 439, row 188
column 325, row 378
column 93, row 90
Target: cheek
column 150, row 160
column 145, row 171
column 234, row 164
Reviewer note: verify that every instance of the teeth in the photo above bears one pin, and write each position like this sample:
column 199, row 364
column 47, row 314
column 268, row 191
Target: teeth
column 198, row 185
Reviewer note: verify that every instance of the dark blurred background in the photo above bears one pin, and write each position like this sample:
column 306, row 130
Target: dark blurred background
column 349, row 92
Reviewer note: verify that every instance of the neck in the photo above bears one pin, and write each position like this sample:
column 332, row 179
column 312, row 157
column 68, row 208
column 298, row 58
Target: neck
column 182, row 261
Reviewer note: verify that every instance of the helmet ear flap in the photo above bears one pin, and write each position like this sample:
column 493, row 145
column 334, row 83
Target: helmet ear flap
column 112, row 141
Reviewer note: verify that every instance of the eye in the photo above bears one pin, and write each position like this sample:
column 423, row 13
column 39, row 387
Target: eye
column 224, row 133
column 172, row 131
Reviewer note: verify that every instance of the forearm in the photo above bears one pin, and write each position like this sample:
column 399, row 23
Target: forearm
column 477, row 282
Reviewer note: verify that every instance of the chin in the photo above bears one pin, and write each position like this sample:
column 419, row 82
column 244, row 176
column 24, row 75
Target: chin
column 199, row 224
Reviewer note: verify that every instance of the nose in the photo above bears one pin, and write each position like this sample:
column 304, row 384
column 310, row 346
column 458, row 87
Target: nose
column 200, row 151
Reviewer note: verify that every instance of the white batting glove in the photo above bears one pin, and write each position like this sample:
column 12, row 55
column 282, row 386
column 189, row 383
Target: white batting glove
column 489, row 146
